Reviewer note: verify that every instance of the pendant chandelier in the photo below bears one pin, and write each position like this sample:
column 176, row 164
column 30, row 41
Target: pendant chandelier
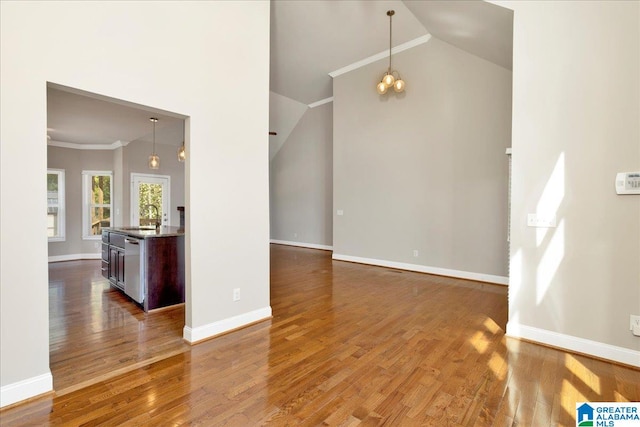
column 182, row 155
column 154, row 160
column 391, row 78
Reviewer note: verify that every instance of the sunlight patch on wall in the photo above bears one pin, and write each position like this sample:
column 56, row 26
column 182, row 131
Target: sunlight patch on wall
column 515, row 282
column 548, row 265
column 551, row 197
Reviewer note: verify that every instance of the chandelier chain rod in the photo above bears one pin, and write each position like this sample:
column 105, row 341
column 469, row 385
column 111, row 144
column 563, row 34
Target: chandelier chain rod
column 154, row 137
column 390, row 32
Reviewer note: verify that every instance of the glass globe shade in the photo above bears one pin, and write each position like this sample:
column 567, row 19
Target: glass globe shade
column 381, row 88
column 154, row 161
column 398, row 86
column 388, row 79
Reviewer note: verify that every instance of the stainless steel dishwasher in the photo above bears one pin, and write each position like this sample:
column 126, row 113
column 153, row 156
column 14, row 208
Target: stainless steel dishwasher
column 133, row 285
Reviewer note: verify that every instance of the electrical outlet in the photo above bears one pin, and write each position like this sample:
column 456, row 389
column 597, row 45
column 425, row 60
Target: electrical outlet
column 634, row 321
column 415, row 253
column 96, row 245
column 236, row 294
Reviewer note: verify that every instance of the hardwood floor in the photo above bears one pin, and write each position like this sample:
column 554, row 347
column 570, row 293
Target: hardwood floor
column 96, row 332
column 350, row 345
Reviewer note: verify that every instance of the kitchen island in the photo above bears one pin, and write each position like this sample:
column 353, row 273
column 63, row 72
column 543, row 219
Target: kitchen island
column 146, row 263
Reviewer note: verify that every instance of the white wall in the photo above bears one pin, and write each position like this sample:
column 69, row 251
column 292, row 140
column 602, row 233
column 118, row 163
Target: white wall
column 284, row 114
column 576, row 122
column 140, row 52
column 426, row 169
column 301, row 182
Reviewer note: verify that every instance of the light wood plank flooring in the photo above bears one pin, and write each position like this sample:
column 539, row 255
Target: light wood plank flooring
column 351, row 345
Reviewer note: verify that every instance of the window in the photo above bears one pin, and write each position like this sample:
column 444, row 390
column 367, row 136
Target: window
column 96, row 203
column 55, row 205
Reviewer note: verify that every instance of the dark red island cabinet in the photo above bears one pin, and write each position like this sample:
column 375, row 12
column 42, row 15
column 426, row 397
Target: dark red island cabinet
column 161, row 263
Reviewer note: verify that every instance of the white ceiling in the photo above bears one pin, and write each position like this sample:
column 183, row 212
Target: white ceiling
column 309, row 39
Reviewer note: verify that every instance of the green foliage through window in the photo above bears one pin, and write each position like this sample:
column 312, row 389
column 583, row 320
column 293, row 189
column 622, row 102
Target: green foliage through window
column 55, row 205
column 149, row 195
column 97, row 202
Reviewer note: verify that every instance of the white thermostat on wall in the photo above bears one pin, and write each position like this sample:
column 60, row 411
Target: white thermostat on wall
column 628, row 183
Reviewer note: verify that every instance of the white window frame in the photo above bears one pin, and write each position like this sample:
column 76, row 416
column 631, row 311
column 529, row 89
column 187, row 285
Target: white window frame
column 60, row 237
column 87, row 199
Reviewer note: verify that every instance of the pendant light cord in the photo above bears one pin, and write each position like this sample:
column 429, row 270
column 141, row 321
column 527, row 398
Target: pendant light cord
column 390, row 13
column 154, row 137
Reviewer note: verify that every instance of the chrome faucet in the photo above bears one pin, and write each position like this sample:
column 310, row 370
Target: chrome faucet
column 157, row 214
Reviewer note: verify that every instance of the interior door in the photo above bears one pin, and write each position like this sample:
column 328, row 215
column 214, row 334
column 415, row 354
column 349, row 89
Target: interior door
column 150, row 199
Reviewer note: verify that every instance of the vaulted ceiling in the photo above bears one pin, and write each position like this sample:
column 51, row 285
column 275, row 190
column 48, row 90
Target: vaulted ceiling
column 309, row 39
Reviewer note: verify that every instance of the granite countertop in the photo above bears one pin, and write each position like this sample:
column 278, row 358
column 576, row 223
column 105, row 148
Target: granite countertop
column 147, row 233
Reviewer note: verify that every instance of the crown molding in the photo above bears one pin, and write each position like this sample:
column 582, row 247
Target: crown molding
column 404, row 46
column 76, row 146
column 321, row 102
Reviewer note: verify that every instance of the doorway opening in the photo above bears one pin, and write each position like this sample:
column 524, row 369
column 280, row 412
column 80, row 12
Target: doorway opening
column 95, row 331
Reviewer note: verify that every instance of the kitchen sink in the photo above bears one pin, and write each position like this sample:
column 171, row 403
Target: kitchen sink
column 141, row 227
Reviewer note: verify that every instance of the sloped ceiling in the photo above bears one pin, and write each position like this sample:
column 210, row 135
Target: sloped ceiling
column 480, row 28
column 309, row 39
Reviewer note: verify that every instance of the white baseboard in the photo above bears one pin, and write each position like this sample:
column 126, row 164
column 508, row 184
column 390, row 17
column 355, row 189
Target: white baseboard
column 480, row 277
column 580, row 345
column 193, row 335
column 75, row 257
column 25, row 389
column 302, row 245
